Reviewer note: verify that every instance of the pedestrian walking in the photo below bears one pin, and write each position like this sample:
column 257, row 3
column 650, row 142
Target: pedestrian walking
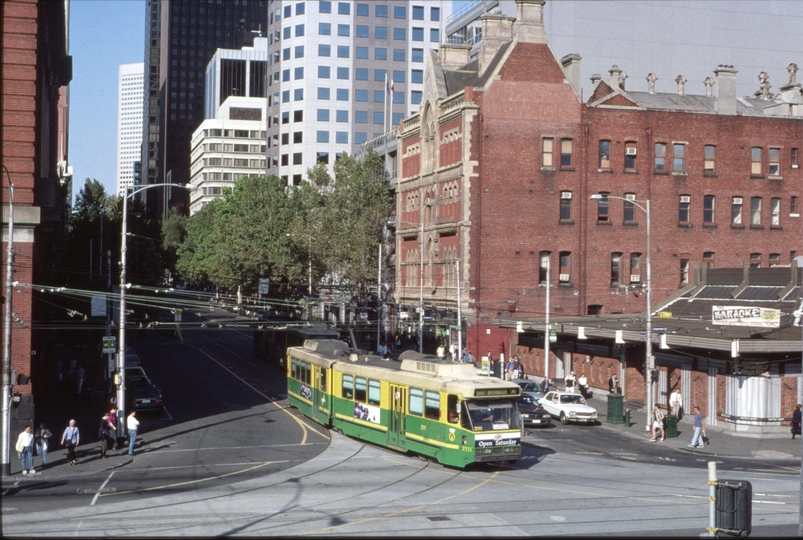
column 103, row 435
column 441, row 352
column 545, row 385
column 453, row 352
column 25, row 450
column 70, row 439
column 613, row 384
column 80, row 376
column 658, row 424
column 797, row 416
column 569, row 382
column 675, row 401
column 132, row 424
column 699, row 429
column 113, row 427
column 42, row 439
column 509, row 369
column 464, row 354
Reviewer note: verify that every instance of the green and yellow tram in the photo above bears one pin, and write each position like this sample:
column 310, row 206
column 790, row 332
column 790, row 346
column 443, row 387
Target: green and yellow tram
column 423, row 405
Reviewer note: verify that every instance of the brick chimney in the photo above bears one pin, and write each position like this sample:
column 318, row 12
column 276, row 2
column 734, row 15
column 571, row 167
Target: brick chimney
column 497, row 29
column 530, row 24
column 571, row 68
column 726, row 90
column 454, row 55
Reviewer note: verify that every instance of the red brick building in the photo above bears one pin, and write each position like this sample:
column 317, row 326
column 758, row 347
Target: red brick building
column 36, row 69
column 498, row 167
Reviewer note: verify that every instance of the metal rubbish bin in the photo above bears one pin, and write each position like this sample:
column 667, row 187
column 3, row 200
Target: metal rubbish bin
column 671, row 425
column 615, row 409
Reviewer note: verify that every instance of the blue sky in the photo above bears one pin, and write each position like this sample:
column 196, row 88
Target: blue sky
column 103, row 35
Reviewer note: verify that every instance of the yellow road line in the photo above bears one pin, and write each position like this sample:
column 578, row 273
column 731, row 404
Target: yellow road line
column 297, row 420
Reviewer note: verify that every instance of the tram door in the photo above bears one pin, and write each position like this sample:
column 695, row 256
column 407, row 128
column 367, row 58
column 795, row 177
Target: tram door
column 398, row 397
column 321, row 399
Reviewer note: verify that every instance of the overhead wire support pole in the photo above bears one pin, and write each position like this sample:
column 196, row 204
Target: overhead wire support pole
column 123, row 285
column 8, row 384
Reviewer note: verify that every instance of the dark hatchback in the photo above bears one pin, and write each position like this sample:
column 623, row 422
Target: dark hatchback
column 142, row 394
column 532, row 414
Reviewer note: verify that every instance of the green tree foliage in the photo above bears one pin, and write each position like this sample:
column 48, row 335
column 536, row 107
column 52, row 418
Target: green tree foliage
column 348, row 224
column 265, row 229
column 237, row 239
column 94, row 226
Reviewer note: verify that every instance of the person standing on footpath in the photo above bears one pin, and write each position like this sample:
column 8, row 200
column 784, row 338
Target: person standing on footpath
column 42, row 438
column 675, row 401
column 25, row 450
column 113, row 427
column 72, row 438
column 132, row 424
column 613, row 384
column 658, row 424
column 797, row 416
column 103, row 435
column 699, row 429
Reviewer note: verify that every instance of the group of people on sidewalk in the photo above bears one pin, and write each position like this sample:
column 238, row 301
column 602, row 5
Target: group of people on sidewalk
column 70, row 439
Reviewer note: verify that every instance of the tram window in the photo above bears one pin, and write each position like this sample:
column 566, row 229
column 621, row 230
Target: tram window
column 465, row 419
column 294, row 369
column 433, row 406
column 416, row 401
column 453, row 406
column 305, row 373
column 359, row 390
column 348, row 387
column 373, row 392
column 323, row 380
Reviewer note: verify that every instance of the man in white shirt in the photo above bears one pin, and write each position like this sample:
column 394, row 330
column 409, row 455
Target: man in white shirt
column 25, row 449
column 132, row 424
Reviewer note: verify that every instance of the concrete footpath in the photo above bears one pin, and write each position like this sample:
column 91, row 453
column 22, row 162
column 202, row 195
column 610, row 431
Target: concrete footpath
column 722, row 441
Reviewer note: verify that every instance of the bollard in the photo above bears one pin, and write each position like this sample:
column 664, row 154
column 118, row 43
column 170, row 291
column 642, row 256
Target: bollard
column 627, row 417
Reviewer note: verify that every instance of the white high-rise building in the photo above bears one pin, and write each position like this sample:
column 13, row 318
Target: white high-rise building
column 130, row 97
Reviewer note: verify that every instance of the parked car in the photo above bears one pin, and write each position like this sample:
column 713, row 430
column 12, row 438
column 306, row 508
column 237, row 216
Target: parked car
column 568, row 407
column 532, row 413
column 142, row 394
column 530, row 388
column 132, row 359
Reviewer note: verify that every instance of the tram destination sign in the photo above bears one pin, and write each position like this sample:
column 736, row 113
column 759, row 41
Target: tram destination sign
column 746, row 316
column 492, row 392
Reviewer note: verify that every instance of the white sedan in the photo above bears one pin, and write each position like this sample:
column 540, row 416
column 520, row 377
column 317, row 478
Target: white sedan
column 568, row 407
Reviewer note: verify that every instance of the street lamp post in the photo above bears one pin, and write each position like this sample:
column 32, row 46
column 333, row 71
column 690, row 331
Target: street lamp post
column 123, row 286
column 650, row 361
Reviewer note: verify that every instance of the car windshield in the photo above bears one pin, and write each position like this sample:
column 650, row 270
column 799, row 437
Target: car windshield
column 138, row 381
column 527, row 400
column 577, row 400
column 493, row 415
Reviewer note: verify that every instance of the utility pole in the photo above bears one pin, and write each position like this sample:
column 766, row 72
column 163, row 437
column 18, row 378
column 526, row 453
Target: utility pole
column 7, row 382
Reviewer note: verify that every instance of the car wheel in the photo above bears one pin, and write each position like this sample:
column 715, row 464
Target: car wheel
column 564, row 419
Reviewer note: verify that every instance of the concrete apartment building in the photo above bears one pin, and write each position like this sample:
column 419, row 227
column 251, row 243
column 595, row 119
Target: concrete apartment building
column 130, row 95
column 498, row 167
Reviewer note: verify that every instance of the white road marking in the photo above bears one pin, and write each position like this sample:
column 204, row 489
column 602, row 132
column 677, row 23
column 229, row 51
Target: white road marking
column 97, row 494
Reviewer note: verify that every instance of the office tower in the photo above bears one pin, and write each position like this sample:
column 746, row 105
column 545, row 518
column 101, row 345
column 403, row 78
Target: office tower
column 331, row 69
column 181, row 38
column 129, row 122
column 230, row 142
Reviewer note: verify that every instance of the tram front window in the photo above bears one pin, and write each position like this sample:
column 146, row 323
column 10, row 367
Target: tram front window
column 493, row 415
